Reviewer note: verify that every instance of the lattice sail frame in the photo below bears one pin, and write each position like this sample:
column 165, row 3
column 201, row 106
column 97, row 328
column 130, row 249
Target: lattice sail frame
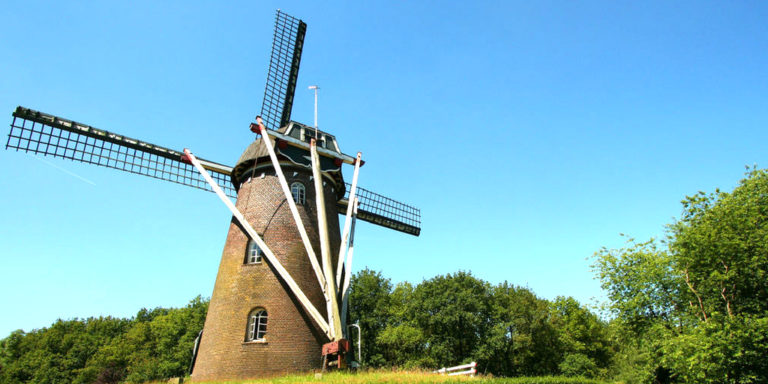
column 283, row 72
column 49, row 135
column 381, row 210
column 41, row 133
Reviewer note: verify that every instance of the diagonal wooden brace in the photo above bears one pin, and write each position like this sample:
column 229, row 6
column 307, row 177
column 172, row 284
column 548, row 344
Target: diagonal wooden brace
column 294, row 211
column 325, row 245
column 347, row 222
column 313, row 313
column 348, row 275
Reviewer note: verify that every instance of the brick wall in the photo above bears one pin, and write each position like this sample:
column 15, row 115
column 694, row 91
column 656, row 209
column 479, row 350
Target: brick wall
column 293, row 343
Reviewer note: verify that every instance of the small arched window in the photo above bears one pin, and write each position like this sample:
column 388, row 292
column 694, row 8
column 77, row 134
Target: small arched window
column 299, row 193
column 257, row 325
column 253, row 253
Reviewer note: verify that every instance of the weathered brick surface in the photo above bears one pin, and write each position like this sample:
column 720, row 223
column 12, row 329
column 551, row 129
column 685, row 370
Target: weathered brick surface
column 293, row 342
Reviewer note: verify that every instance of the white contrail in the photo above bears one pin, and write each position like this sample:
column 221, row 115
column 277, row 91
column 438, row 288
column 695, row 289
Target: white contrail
column 65, row 171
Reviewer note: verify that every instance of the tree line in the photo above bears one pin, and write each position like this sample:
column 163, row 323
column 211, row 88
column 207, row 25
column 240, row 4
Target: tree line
column 458, row 318
column 442, row 321
column 155, row 344
column 689, row 308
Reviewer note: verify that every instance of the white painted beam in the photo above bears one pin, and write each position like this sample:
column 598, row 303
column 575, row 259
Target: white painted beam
column 281, row 271
column 325, row 245
column 348, row 265
column 303, row 145
column 294, row 211
column 347, row 223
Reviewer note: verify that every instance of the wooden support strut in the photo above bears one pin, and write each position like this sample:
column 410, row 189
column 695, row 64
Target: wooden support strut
column 348, row 275
column 347, row 222
column 294, row 211
column 325, row 245
column 267, row 252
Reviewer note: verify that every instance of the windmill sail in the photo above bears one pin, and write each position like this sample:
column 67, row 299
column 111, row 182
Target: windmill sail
column 49, row 135
column 41, row 133
column 283, row 72
column 381, row 210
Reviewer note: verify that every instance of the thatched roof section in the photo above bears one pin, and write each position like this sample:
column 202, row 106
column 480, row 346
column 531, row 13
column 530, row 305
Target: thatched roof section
column 250, row 156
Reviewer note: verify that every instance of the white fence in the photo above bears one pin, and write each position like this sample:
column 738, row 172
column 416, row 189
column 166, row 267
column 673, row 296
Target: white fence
column 466, row 369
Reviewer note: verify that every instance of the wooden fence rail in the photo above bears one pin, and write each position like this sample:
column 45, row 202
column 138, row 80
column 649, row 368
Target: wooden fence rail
column 466, row 369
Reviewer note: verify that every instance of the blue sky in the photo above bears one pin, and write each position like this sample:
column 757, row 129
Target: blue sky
column 531, row 134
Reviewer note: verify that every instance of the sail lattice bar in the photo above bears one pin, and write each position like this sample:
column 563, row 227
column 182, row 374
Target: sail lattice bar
column 381, row 210
column 41, row 133
column 283, row 70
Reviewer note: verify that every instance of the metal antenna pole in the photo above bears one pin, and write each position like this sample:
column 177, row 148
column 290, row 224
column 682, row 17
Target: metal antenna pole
column 315, row 88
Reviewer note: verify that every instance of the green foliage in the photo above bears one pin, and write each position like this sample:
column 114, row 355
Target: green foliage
column 696, row 310
column 58, row 354
column 578, row 364
column 523, row 339
column 721, row 350
column 545, row 380
column 444, row 321
column 369, row 298
column 155, row 345
column 583, row 338
column 640, row 283
column 458, row 318
column 403, row 344
column 453, row 313
column 721, row 245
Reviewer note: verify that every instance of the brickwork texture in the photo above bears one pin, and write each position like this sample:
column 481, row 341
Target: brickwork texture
column 292, row 342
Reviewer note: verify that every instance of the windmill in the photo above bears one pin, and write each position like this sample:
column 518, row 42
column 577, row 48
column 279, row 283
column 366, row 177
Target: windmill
column 281, row 294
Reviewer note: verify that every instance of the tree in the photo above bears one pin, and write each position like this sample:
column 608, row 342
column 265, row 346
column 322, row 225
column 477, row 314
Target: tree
column 582, row 336
column 368, row 306
column 453, row 313
column 640, row 282
column 721, row 247
column 57, row 354
column 155, row 345
column 521, row 339
column 698, row 308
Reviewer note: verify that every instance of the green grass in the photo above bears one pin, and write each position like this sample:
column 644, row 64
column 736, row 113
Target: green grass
column 405, row 377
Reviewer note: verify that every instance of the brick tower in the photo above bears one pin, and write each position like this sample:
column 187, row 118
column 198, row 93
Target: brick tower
column 291, row 342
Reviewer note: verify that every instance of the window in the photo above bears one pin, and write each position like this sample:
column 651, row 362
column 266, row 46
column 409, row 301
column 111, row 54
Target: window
column 299, row 193
column 253, row 253
column 257, row 325
column 309, row 134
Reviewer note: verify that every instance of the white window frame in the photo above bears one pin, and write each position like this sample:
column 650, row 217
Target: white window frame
column 250, row 257
column 308, row 133
column 257, row 325
column 299, row 193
